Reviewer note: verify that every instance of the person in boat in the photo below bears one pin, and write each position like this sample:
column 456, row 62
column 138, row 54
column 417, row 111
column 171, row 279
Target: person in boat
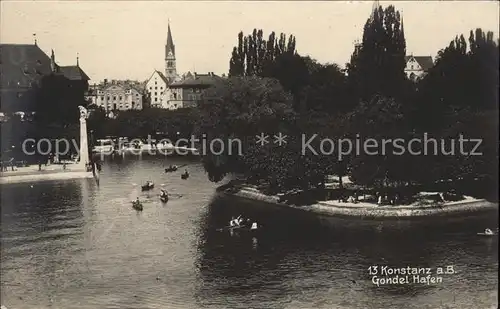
column 239, row 220
column 254, row 226
column 137, row 202
column 232, row 222
column 488, row 232
column 163, row 193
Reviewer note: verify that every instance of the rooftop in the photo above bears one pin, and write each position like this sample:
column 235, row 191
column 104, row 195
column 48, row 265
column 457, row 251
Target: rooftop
column 197, row 80
column 424, row 61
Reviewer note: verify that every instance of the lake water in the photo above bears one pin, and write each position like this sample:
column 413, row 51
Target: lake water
column 74, row 244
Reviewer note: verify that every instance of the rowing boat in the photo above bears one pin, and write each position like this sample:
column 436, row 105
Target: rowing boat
column 229, row 228
column 485, row 234
column 137, row 205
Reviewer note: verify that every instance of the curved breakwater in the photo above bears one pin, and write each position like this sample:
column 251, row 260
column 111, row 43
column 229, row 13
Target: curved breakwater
column 332, row 208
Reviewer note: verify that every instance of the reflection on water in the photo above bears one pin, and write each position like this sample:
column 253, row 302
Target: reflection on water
column 74, row 244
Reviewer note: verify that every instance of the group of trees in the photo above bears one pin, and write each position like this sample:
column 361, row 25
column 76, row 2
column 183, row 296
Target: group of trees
column 272, row 88
column 142, row 123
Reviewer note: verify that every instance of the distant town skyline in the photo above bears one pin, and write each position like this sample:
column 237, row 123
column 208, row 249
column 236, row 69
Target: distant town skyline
column 126, row 39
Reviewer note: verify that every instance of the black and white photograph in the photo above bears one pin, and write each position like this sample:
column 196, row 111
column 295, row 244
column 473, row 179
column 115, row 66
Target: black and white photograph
column 249, row 154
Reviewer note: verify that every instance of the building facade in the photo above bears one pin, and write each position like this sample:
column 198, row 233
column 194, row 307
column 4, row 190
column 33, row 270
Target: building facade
column 23, row 67
column 189, row 91
column 417, row 66
column 157, row 88
column 116, row 96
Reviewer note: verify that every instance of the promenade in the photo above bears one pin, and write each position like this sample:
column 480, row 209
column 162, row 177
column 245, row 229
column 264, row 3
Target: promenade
column 49, row 172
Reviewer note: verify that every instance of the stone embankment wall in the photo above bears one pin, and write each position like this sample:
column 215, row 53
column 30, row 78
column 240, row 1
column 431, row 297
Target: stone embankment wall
column 467, row 206
column 6, row 179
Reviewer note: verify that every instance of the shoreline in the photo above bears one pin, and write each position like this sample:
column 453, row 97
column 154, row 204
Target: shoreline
column 333, row 208
column 31, row 174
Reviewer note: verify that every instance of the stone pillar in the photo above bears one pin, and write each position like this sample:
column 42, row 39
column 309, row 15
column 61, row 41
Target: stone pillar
column 84, row 150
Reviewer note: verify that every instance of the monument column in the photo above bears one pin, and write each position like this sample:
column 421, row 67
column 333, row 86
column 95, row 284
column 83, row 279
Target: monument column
column 84, row 150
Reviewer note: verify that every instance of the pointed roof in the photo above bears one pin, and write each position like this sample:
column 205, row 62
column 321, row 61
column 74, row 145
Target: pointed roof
column 22, row 64
column 197, row 81
column 170, row 42
column 162, row 76
column 424, row 61
column 73, row 72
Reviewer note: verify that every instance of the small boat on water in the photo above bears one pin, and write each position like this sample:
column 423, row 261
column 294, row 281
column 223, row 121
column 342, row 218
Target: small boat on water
column 185, row 175
column 164, row 196
column 253, row 228
column 137, row 205
column 488, row 232
column 171, row 168
column 148, row 186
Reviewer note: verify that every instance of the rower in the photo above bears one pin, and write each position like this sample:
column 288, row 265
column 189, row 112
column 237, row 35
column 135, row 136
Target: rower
column 137, row 201
column 239, row 220
column 232, row 223
column 488, row 232
column 254, row 226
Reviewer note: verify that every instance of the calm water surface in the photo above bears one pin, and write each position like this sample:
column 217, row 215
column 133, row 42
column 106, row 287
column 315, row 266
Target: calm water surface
column 74, row 244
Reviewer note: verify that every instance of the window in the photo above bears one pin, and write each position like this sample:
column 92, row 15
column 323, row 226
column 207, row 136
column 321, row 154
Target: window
column 156, row 93
column 156, row 83
column 121, row 98
column 156, row 88
column 114, row 98
column 109, row 98
column 156, row 99
column 150, row 88
column 161, row 93
column 102, row 98
column 161, row 88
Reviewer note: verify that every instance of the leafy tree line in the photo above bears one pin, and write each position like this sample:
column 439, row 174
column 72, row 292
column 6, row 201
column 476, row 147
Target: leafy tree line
column 374, row 99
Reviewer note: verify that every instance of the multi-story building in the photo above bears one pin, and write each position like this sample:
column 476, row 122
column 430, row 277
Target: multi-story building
column 417, row 66
column 156, row 87
column 117, row 96
column 189, row 91
column 23, row 68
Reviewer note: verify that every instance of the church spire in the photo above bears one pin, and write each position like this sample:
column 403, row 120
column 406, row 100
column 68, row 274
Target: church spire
column 170, row 47
column 170, row 59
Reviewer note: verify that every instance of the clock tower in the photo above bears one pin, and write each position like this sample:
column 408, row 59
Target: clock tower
column 170, row 64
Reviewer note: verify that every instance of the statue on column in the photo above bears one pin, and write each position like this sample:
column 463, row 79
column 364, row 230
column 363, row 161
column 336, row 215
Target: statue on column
column 84, row 114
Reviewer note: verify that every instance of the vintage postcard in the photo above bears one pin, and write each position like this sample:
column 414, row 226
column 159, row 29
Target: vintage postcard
column 249, row 154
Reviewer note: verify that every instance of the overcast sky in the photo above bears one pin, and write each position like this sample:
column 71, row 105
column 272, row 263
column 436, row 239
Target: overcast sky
column 125, row 39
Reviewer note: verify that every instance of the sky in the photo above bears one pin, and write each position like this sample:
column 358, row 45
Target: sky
column 126, row 39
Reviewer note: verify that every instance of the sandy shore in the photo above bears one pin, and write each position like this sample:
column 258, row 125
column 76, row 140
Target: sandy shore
column 366, row 210
column 50, row 172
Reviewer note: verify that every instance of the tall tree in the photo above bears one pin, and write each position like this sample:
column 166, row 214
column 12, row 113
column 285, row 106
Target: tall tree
column 377, row 65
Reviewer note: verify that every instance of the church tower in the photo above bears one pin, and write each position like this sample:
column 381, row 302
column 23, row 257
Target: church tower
column 170, row 64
